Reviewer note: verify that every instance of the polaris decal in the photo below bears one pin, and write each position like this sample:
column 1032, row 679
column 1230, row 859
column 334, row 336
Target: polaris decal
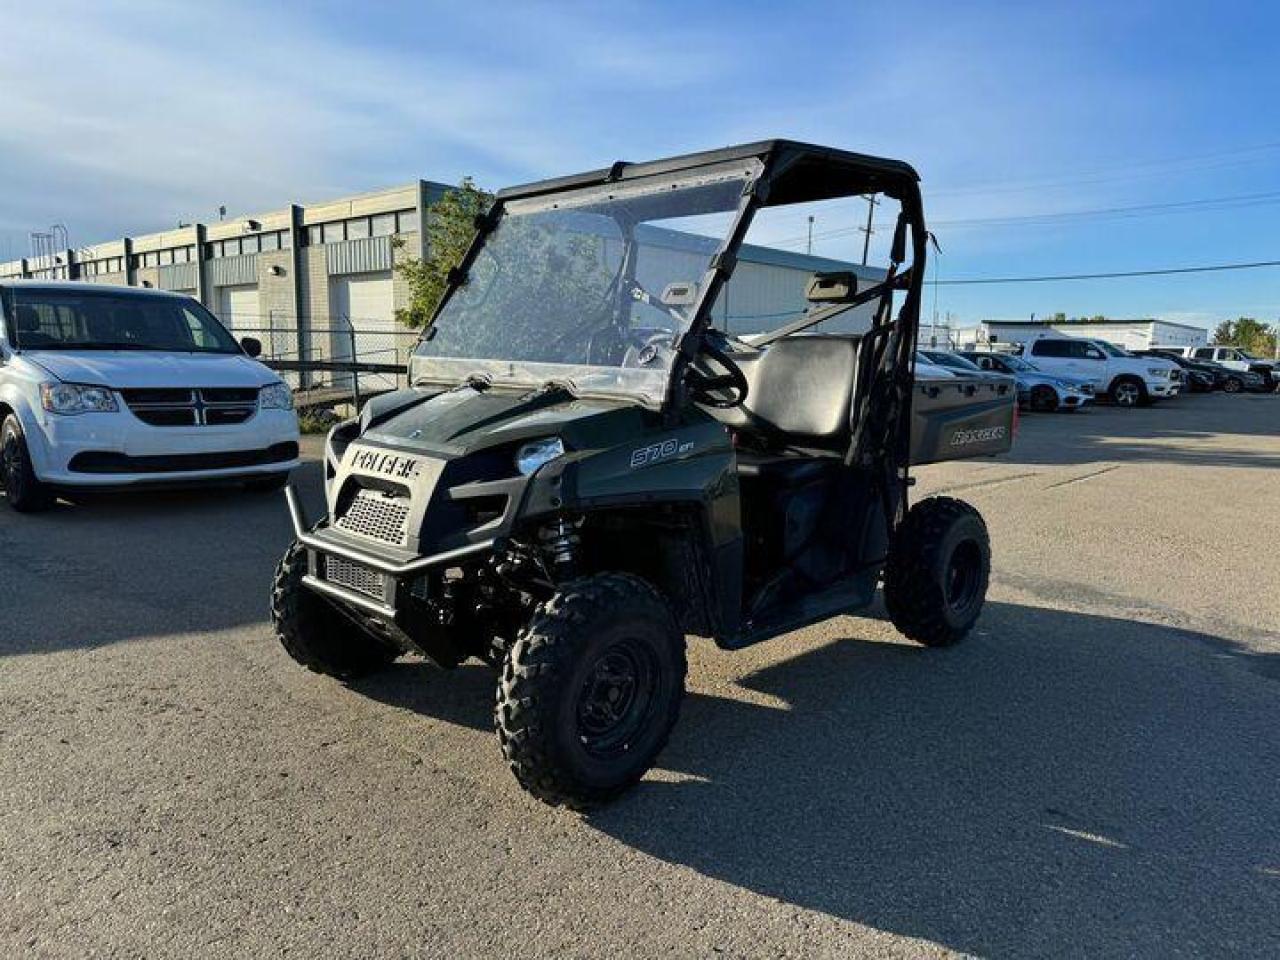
column 662, row 450
column 386, row 464
column 962, row 438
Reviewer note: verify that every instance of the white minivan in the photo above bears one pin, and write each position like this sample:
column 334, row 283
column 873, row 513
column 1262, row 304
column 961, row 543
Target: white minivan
column 104, row 387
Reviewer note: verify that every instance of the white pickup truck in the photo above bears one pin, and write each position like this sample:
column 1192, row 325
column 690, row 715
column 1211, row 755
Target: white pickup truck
column 1128, row 380
column 119, row 387
column 1233, row 358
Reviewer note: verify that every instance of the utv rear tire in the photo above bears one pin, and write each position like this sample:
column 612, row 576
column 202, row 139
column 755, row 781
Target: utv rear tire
column 26, row 492
column 936, row 577
column 590, row 690
column 315, row 633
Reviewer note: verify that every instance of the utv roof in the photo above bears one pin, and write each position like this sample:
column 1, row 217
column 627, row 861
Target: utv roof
column 798, row 172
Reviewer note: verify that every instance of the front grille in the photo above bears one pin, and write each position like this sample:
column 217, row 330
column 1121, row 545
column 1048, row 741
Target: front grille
column 376, row 514
column 103, row 461
column 195, row 407
column 354, row 576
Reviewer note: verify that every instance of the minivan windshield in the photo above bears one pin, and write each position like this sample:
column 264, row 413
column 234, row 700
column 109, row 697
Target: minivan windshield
column 70, row 318
column 590, row 288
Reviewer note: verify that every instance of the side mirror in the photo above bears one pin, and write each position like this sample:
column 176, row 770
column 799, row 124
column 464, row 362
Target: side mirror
column 252, row 346
column 680, row 294
column 838, row 287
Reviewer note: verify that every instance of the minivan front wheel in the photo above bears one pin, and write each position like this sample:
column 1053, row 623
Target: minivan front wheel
column 27, row 493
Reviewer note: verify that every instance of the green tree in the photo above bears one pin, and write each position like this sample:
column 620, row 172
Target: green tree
column 450, row 228
column 1249, row 334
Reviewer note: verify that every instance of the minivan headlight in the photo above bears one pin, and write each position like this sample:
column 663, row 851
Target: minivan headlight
column 533, row 456
column 275, row 396
column 72, row 398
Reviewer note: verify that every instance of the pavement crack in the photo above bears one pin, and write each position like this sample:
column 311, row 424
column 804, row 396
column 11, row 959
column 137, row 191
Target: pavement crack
column 982, row 484
column 1084, row 476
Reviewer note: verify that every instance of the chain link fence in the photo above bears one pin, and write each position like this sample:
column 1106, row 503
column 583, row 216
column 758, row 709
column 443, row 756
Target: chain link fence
column 330, row 360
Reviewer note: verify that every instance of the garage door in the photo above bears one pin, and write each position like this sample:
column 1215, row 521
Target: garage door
column 366, row 302
column 239, row 309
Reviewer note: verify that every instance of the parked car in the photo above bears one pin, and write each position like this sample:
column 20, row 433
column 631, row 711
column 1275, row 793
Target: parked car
column 926, row 369
column 1036, row 389
column 107, row 387
column 1234, row 358
column 1199, row 377
column 1128, row 380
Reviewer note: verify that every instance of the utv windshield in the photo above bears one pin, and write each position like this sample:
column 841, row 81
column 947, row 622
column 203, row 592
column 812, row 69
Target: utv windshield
column 590, row 288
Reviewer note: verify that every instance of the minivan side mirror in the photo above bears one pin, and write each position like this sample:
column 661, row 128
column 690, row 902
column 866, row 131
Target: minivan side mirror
column 252, row 346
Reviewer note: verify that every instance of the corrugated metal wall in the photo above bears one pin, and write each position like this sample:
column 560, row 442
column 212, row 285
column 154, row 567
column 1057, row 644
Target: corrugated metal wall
column 178, row 276
column 368, row 255
column 233, row 271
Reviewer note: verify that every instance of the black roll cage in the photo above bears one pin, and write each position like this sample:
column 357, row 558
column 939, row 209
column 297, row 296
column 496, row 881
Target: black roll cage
column 793, row 172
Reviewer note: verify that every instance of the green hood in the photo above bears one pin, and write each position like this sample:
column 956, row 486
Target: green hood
column 464, row 420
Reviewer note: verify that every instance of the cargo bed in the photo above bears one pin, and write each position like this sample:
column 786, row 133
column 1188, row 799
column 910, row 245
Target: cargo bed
column 956, row 418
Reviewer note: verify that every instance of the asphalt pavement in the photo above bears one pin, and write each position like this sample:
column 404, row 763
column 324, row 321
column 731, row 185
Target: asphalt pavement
column 1095, row 772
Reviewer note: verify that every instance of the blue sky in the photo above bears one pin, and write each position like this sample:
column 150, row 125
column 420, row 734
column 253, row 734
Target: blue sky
column 126, row 117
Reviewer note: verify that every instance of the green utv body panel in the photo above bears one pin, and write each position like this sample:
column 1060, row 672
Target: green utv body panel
column 457, row 448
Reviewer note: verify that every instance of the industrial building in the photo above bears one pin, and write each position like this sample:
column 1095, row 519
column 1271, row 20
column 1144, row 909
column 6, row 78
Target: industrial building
column 317, row 281
column 1129, row 334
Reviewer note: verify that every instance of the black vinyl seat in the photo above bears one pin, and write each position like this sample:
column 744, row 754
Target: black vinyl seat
column 795, row 422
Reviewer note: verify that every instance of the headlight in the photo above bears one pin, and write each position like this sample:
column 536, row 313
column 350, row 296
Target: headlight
column 534, row 455
column 275, row 396
column 1159, row 373
column 70, row 398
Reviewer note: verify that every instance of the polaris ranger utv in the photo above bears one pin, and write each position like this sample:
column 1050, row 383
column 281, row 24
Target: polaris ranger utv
column 588, row 466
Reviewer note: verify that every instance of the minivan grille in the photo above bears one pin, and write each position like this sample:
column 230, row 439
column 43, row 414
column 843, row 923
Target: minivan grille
column 194, row 407
column 377, row 515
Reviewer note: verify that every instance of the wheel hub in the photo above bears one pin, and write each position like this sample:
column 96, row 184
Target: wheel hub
column 616, row 698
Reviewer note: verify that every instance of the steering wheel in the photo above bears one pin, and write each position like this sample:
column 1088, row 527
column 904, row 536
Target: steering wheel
column 733, row 380
column 659, row 346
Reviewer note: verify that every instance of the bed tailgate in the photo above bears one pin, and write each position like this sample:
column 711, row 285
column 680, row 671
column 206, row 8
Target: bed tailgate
column 961, row 417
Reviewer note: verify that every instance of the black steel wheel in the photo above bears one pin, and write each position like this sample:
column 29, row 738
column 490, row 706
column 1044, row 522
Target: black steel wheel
column 590, row 690
column 25, row 491
column 935, row 580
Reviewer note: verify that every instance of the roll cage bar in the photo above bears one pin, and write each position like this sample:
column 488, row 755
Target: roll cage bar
column 793, row 172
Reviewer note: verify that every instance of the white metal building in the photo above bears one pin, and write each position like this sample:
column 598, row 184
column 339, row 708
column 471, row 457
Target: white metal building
column 1130, row 334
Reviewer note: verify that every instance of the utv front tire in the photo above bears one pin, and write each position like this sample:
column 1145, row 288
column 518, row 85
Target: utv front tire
column 936, row 577
column 315, row 633
column 590, row 690
column 26, row 492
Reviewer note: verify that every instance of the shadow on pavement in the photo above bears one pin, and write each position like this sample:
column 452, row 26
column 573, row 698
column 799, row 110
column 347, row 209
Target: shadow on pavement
column 141, row 564
column 1063, row 783
column 1200, row 430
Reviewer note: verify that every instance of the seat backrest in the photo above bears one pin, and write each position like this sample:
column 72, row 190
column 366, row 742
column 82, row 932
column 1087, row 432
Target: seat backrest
column 801, row 387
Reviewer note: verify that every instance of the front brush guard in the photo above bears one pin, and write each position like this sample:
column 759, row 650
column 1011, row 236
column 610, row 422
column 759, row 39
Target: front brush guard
column 396, row 576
